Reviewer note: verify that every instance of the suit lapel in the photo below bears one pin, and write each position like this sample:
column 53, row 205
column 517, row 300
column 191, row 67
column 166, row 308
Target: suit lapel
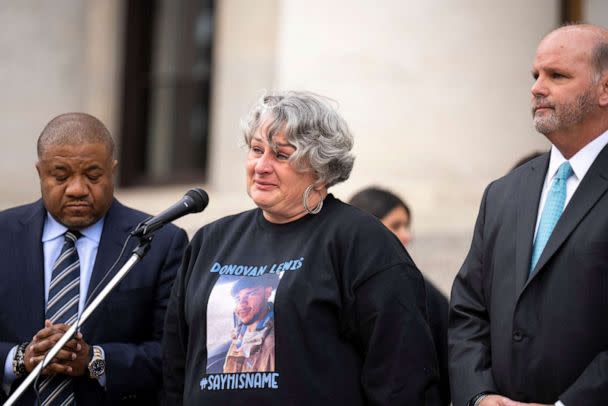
column 32, row 253
column 527, row 209
column 591, row 188
column 114, row 233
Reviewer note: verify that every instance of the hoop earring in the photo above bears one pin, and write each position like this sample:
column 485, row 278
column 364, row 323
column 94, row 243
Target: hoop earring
column 319, row 205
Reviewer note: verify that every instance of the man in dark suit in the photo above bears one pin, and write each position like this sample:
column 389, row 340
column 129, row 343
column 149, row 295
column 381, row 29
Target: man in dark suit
column 529, row 307
column 55, row 252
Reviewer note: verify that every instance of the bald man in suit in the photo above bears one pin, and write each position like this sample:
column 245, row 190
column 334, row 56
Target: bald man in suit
column 529, row 307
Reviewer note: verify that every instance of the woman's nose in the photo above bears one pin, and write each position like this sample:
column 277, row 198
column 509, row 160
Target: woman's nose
column 263, row 164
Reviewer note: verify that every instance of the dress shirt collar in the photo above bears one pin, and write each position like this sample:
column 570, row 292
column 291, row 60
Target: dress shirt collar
column 581, row 161
column 53, row 229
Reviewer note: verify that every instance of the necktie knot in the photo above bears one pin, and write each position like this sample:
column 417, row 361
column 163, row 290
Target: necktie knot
column 72, row 236
column 564, row 171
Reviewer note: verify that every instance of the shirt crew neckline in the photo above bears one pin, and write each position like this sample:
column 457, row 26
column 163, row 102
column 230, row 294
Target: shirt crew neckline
column 266, row 224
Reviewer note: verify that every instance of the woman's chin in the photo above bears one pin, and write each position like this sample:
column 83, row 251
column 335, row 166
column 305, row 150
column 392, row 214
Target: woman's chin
column 262, row 199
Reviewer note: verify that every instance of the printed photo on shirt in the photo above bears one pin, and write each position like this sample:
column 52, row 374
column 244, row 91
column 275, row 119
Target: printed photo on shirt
column 241, row 324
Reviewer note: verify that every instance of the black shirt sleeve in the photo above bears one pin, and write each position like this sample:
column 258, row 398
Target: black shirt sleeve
column 399, row 361
column 174, row 343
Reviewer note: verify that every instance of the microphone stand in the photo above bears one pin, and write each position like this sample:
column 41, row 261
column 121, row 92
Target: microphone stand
column 138, row 253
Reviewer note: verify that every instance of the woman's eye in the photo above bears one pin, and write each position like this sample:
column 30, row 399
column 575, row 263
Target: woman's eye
column 282, row 157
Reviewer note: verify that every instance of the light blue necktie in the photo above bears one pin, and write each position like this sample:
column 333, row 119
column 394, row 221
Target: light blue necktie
column 554, row 206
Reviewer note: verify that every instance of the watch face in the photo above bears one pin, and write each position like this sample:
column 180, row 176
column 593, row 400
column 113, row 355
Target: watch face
column 97, row 367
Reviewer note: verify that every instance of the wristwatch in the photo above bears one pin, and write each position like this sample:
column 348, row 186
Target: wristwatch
column 97, row 365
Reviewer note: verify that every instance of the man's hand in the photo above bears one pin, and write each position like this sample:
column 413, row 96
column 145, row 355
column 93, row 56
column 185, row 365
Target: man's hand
column 514, row 403
column 494, row 400
column 497, row 400
column 79, row 365
column 43, row 341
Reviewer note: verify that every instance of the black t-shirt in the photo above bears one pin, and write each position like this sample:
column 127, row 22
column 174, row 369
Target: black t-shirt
column 327, row 309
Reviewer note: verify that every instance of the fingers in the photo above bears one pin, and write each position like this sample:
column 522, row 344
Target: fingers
column 73, row 345
column 56, row 368
column 44, row 340
column 80, row 364
column 50, row 330
column 61, row 356
column 42, row 347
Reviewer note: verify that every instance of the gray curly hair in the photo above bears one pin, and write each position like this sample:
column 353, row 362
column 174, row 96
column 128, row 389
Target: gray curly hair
column 312, row 125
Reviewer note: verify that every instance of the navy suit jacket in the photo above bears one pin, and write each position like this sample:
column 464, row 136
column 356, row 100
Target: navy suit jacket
column 127, row 325
column 544, row 337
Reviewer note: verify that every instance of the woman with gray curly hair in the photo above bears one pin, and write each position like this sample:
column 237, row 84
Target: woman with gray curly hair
column 304, row 300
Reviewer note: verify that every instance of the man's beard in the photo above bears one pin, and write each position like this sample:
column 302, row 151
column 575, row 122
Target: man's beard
column 563, row 116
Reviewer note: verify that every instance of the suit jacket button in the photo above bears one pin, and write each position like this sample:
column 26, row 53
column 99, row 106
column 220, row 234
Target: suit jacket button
column 518, row 336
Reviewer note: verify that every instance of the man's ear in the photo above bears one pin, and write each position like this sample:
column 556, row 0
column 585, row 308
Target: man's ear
column 114, row 167
column 603, row 97
column 38, row 169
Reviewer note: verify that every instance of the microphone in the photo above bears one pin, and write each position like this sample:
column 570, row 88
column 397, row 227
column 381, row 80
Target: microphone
column 194, row 201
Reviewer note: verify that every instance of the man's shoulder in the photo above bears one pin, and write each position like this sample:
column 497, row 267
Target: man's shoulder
column 14, row 215
column 351, row 222
column 523, row 172
column 131, row 217
column 124, row 212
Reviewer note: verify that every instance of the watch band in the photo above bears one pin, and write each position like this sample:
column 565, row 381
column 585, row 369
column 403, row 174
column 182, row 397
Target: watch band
column 19, row 369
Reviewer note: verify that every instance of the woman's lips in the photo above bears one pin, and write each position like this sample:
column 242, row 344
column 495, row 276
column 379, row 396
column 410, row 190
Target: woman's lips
column 264, row 185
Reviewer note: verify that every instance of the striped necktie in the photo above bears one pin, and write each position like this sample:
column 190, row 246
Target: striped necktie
column 554, row 206
column 62, row 307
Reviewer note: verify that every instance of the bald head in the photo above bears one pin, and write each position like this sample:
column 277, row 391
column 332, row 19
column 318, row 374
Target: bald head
column 75, row 129
column 589, row 39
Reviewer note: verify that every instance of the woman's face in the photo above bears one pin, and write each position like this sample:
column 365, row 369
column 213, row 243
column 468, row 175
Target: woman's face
column 273, row 183
column 398, row 222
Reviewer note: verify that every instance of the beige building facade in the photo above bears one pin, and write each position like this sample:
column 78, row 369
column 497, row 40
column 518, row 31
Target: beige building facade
column 436, row 92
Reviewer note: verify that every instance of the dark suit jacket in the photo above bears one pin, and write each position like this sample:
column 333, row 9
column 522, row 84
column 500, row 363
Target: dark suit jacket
column 544, row 338
column 128, row 324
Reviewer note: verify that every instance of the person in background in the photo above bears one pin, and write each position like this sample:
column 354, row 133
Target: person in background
column 349, row 311
column 396, row 215
column 55, row 252
column 529, row 306
column 526, row 158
